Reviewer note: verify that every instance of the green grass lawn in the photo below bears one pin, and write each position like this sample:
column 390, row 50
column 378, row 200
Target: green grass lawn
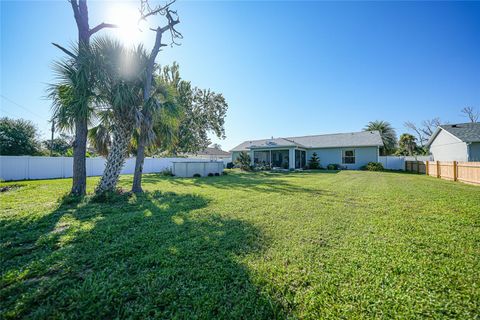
column 246, row 245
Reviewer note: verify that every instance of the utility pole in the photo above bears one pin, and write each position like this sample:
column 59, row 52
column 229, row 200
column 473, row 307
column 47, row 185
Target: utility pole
column 51, row 142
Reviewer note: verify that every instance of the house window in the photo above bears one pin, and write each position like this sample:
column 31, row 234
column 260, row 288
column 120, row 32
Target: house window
column 348, row 156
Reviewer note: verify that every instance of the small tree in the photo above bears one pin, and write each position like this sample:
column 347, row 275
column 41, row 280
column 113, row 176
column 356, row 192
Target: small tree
column 60, row 145
column 244, row 161
column 217, row 146
column 314, row 162
column 407, row 145
column 18, row 137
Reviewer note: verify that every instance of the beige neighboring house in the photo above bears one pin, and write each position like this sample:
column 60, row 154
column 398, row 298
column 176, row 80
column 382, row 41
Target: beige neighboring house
column 211, row 154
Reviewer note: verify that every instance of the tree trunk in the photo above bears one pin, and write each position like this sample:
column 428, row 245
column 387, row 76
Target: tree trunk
column 137, row 176
column 115, row 159
column 79, row 185
column 142, row 141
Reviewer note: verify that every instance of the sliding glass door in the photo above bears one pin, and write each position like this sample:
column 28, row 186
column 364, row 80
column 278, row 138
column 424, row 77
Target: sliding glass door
column 280, row 158
column 300, row 159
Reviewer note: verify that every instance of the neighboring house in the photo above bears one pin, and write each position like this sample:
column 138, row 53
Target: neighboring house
column 456, row 142
column 350, row 150
column 210, row 154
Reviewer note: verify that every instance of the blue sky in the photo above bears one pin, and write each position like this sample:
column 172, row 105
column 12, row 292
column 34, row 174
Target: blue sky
column 285, row 68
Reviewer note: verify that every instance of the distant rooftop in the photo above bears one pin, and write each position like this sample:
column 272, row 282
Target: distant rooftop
column 351, row 139
column 213, row 152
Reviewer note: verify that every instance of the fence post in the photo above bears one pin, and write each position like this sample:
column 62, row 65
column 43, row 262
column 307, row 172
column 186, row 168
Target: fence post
column 426, row 167
column 28, row 168
column 418, row 167
column 455, row 174
column 438, row 169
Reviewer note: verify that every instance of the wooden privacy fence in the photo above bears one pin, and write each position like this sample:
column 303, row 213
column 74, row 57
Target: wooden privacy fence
column 415, row 166
column 468, row 172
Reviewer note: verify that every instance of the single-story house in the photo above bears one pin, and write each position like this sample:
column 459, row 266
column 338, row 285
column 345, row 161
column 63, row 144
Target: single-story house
column 210, row 154
column 456, row 142
column 350, row 150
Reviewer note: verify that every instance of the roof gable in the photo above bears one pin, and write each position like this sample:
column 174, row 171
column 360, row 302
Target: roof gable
column 466, row 132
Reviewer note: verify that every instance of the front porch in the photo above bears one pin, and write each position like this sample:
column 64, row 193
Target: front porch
column 286, row 158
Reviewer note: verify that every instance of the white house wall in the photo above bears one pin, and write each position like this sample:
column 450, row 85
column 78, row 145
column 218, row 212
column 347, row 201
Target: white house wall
column 446, row 147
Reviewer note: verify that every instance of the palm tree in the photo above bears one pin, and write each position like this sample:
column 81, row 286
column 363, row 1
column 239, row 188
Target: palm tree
column 388, row 134
column 407, row 143
column 100, row 136
column 76, row 78
column 72, row 96
column 120, row 100
column 165, row 122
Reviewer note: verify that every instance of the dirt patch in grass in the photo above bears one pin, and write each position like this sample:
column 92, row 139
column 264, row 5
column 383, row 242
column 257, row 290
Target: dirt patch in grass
column 10, row 187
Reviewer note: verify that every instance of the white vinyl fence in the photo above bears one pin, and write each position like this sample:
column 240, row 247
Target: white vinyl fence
column 392, row 163
column 29, row 168
column 398, row 163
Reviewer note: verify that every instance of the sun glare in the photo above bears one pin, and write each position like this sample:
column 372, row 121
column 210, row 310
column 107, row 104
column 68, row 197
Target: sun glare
column 126, row 17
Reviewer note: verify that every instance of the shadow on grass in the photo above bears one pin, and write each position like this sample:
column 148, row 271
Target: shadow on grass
column 143, row 256
column 246, row 181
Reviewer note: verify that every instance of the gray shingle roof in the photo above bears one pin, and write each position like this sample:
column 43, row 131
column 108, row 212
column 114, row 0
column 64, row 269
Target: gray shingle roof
column 211, row 152
column 467, row 132
column 352, row 139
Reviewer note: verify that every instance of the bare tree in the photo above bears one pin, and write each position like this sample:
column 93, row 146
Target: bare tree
column 412, row 126
column 80, row 13
column 471, row 114
column 146, row 127
column 429, row 126
column 424, row 130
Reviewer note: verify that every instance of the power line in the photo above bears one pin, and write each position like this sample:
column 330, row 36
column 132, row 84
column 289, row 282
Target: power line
column 8, row 112
column 19, row 105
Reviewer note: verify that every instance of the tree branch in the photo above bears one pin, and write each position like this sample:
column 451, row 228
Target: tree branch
column 159, row 9
column 101, row 26
column 76, row 11
column 65, row 50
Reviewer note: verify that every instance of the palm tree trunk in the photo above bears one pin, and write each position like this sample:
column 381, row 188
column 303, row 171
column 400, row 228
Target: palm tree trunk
column 115, row 159
column 142, row 141
column 79, row 185
column 137, row 176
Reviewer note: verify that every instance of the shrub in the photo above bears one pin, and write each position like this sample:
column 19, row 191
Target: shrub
column 210, row 174
column 244, row 161
column 373, row 166
column 197, row 175
column 230, row 165
column 166, row 172
column 333, row 166
column 262, row 167
column 314, row 162
column 224, row 173
column 110, row 196
column 217, row 174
